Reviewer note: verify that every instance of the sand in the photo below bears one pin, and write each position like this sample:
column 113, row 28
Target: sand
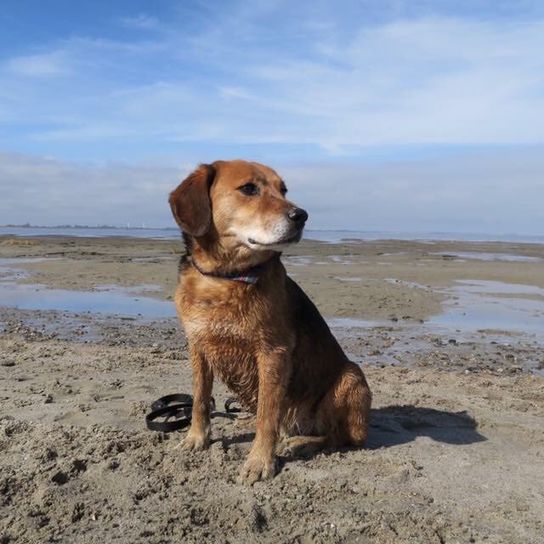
column 456, row 449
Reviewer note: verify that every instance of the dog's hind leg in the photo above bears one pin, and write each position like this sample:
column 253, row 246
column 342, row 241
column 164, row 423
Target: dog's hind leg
column 344, row 413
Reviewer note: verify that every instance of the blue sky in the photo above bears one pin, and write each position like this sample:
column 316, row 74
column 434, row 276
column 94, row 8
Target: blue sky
column 388, row 115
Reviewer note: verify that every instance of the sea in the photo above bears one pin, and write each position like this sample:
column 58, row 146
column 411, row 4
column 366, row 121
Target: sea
column 331, row 236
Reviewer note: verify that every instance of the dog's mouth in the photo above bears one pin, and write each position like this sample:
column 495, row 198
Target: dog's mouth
column 293, row 239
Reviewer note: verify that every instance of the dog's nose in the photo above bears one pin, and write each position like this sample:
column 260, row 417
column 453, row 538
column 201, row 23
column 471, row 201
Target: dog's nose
column 298, row 215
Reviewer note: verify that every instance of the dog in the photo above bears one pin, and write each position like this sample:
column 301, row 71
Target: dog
column 248, row 323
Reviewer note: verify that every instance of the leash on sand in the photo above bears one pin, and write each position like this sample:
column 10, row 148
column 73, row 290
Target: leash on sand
column 173, row 412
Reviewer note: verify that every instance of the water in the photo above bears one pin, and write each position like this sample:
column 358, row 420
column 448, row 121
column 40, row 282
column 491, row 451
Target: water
column 9, row 271
column 479, row 305
column 331, row 236
column 471, row 305
column 482, row 256
column 352, row 323
column 92, row 232
column 109, row 299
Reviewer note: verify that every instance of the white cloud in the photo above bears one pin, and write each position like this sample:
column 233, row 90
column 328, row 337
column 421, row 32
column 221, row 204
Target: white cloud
column 43, row 65
column 498, row 191
column 51, row 192
column 266, row 79
column 420, row 81
column 141, row 21
column 427, row 81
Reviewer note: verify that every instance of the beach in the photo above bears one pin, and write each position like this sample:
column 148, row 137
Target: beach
column 450, row 336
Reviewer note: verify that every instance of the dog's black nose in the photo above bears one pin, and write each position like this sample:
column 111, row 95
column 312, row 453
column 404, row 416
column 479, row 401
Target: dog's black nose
column 298, row 215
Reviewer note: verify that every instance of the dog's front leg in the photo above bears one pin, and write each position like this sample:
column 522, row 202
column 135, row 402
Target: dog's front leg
column 198, row 437
column 273, row 379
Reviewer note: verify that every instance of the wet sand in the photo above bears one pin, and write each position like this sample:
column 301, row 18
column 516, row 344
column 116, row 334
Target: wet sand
column 449, row 336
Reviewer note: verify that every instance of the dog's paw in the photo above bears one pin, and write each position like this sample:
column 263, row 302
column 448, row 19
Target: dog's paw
column 300, row 446
column 258, row 468
column 195, row 441
column 285, row 449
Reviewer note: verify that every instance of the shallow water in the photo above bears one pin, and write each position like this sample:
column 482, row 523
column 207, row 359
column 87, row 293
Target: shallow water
column 499, row 288
column 471, row 305
column 412, row 284
column 10, row 271
column 479, row 305
column 298, row 260
column 331, row 236
column 352, row 323
column 107, row 299
column 482, row 256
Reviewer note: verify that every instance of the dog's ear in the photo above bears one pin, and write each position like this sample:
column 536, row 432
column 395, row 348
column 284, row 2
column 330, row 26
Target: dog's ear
column 190, row 201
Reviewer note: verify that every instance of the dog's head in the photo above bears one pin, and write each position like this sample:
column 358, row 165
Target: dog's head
column 240, row 204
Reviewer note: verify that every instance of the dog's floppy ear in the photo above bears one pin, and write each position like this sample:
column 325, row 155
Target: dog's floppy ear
column 190, row 202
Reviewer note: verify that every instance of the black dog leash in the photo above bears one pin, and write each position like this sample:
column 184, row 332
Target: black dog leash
column 173, row 412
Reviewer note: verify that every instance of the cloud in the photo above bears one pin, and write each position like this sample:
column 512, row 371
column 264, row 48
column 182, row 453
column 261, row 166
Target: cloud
column 141, row 21
column 433, row 112
column 43, row 65
column 430, row 80
column 50, row 192
column 491, row 191
column 486, row 191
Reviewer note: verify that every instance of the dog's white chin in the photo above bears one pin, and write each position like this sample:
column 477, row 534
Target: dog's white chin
column 273, row 246
column 280, row 246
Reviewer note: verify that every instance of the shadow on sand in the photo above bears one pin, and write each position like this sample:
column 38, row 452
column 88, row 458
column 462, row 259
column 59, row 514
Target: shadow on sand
column 394, row 425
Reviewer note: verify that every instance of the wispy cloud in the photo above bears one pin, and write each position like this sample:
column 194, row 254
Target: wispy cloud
column 54, row 63
column 432, row 80
column 467, row 192
column 340, row 88
column 141, row 21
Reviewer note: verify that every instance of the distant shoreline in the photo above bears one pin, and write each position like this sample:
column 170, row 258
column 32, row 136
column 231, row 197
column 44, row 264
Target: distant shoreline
column 324, row 235
column 111, row 227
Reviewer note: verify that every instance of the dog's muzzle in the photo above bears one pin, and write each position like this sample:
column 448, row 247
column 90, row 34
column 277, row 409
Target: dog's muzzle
column 298, row 216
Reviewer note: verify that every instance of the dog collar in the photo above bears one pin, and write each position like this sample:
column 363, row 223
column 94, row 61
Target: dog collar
column 250, row 276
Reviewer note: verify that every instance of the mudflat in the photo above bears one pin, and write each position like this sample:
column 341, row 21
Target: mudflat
column 451, row 337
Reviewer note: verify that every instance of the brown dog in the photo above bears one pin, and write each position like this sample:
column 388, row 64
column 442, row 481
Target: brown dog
column 250, row 324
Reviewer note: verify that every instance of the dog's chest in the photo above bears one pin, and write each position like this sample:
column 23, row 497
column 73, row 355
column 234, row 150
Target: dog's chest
column 224, row 337
column 225, row 321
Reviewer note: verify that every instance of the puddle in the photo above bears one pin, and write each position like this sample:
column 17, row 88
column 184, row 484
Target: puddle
column 340, row 259
column 499, row 288
column 480, row 305
column 297, row 260
column 135, row 290
column 481, row 256
column 412, row 284
column 352, row 323
column 9, row 270
column 151, row 260
column 109, row 300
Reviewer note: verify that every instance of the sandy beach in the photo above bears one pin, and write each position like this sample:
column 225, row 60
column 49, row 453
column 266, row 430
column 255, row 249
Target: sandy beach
column 451, row 338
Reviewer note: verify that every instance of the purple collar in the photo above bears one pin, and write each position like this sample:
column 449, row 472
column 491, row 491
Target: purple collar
column 250, row 276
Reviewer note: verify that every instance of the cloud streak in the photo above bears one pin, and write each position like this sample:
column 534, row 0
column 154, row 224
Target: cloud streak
column 467, row 192
column 423, row 115
column 428, row 80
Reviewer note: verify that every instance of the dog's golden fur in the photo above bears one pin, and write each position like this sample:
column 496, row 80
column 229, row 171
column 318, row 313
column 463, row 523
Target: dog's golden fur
column 266, row 341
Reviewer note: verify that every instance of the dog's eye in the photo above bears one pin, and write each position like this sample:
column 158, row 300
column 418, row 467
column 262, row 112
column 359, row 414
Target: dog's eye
column 249, row 189
column 283, row 190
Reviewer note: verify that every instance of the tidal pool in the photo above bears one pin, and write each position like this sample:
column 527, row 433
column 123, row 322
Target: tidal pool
column 480, row 305
column 109, row 300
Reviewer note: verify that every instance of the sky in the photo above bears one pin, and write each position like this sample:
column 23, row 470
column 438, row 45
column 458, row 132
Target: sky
column 399, row 115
